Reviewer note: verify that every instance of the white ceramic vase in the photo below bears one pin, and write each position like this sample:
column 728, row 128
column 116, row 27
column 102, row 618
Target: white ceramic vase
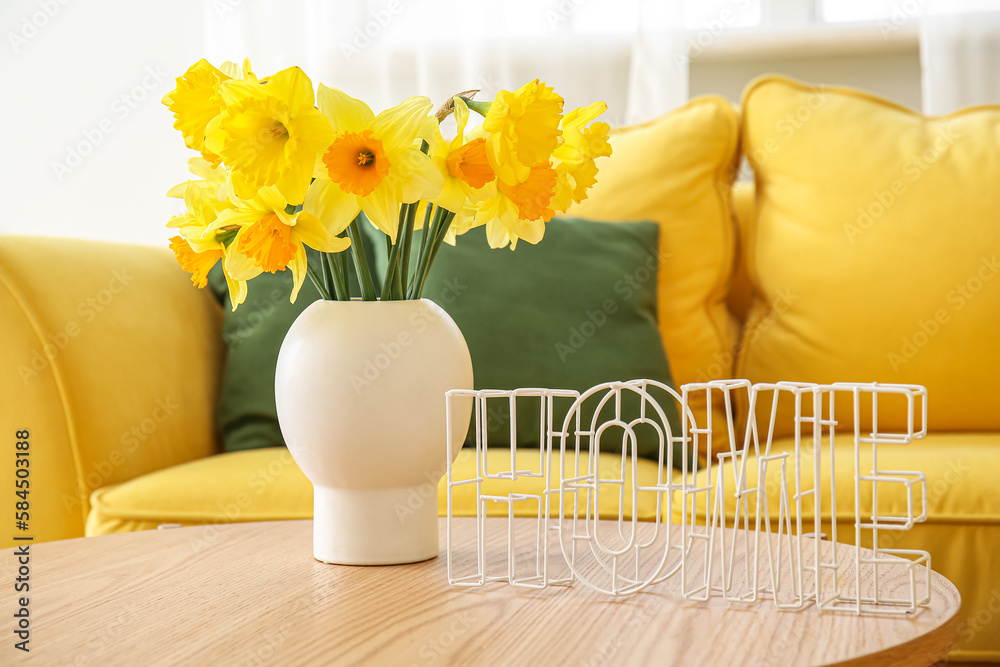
column 360, row 390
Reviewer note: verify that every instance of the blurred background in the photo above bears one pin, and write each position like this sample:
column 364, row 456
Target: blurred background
column 89, row 150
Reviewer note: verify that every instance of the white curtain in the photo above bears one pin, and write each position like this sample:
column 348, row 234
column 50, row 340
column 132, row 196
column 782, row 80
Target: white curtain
column 629, row 53
column 960, row 54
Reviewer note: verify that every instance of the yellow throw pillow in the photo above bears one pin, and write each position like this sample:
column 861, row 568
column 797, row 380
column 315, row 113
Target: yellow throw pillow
column 874, row 248
column 677, row 170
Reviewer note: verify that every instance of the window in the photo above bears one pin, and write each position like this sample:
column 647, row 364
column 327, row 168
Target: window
column 844, row 11
column 706, row 14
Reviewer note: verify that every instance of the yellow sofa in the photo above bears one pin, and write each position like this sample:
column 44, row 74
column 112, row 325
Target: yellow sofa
column 112, row 363
column 120, row 421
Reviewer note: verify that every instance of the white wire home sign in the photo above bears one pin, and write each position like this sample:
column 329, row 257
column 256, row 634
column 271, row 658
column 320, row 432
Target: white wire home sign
column 714, row 529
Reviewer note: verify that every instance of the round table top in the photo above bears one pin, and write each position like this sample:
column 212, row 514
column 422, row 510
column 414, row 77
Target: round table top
column 252, row 594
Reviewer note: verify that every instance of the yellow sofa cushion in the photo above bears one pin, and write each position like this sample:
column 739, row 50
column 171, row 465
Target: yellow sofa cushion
column 874, row 247
column 256, row 485
column 960, row 470
column 267, row 485
column 740, row 297
column 677, row 170
column 962, row 532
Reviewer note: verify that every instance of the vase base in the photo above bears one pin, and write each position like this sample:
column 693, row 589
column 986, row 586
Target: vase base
column 375, row 526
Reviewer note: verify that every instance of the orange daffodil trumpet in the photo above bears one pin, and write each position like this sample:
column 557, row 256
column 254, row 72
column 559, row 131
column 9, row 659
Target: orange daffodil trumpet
column 282, row 169
column 463, row 162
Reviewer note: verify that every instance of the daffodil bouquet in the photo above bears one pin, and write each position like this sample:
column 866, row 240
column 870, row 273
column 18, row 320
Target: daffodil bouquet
column 282, row 168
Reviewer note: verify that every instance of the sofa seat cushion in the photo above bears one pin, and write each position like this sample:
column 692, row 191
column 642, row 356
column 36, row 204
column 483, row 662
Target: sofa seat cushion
column 962, row 531
column 960, row 470
column 253, row 485
column 266, row 485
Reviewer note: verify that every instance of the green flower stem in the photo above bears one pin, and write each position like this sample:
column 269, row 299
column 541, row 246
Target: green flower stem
column 482, row 108
column 442, row 233
column 341, row 263
column 445, row 226
column 426, row 228
column 424, row 243
column 407, row 288
column 398, row 254
column 402, row 271
column 437, row 233
column 407, row 234
column 226, row 238
column 327, row 274
column 423, row 253
column 338, row 275
column 397, row 282
column 318, row 282
column 360, row 260
column 391, row 266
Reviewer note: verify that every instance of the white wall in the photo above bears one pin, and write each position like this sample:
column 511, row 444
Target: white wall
column 88, row 150
column 85, row 78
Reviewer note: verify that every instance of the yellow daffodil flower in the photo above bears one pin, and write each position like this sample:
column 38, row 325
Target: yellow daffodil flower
column 462, row 162
column 195, row 101
column 522, row 129
column 233, row 71
column 269, row 134
column 200, row 215
column 576, row 168
column 374, row 163
column 519, row 211
column 533, row 197
column 198, row 264
column 270, row 238
column 213, row 181
column 277, row 174
column 198, row 247
column 463, row 222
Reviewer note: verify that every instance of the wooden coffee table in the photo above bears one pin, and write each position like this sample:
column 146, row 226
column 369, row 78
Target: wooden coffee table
column 252, row 594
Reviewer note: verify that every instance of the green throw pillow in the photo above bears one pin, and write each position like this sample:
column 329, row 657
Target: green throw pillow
column 574, row 311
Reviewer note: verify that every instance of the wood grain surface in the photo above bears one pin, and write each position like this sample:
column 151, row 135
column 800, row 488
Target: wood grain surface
column 251, row 594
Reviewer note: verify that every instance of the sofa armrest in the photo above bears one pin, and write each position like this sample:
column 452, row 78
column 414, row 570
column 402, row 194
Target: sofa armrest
column 111, row 361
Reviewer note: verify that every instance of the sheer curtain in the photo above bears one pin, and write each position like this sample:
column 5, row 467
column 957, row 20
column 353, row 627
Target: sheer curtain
column 960, row 54
column 630, row 53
